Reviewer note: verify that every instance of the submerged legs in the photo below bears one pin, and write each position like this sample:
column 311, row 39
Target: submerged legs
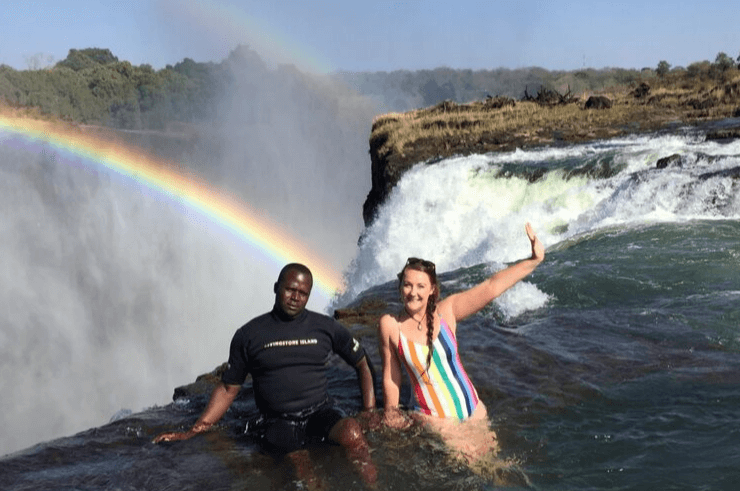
column 348, row 434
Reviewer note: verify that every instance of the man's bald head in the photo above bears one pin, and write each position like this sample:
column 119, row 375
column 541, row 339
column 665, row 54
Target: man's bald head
column 298, row 268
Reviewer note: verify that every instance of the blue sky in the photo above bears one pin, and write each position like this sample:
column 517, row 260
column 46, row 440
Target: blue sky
column 373, row 35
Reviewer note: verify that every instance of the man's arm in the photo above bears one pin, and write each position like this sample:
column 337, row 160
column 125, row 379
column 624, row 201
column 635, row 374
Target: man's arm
column 221, row 398
column 367, row 385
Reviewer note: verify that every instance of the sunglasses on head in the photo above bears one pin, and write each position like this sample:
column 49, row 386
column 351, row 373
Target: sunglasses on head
column 414, row 261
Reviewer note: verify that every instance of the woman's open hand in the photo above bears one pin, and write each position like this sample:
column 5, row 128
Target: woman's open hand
column 538, row 250
column 395, row 418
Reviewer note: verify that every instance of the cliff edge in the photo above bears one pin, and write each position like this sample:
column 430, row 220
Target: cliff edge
column 400, row 140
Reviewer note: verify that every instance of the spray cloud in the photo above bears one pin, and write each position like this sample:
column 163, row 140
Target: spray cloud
column 112, row 296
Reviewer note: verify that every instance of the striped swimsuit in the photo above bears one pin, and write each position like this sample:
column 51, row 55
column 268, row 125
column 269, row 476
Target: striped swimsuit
column 444, row 390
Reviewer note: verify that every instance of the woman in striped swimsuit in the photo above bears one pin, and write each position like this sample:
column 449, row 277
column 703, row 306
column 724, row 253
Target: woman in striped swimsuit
column 422, row 338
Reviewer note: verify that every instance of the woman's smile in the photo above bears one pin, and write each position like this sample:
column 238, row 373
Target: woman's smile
column 416, row 289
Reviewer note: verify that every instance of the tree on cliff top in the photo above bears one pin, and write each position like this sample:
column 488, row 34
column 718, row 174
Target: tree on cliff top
column 87, row 58
column 663, row 68
column 723, row 62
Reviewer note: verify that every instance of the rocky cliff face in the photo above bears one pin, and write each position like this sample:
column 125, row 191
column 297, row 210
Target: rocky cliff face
column 388, row 165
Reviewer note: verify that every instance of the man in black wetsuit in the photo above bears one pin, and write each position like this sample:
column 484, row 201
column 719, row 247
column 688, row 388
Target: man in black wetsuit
column 286, row 351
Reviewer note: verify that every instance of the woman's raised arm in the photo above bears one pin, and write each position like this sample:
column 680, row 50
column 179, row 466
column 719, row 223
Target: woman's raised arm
column 468, row 302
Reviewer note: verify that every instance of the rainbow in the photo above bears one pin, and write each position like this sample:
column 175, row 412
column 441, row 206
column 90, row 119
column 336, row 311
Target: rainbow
column 163, row 176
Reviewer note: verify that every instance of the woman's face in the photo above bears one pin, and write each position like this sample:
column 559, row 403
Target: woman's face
column 416, row 288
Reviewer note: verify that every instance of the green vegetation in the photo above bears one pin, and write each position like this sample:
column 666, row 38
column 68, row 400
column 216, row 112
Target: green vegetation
column 404, row 90
column 663, row 68
column 93, row 86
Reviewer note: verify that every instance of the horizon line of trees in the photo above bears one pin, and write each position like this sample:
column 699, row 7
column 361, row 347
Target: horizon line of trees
column 723, row 63
column 92, row 86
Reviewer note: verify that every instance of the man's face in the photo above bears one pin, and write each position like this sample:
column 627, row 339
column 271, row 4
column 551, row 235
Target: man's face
column 291, row 294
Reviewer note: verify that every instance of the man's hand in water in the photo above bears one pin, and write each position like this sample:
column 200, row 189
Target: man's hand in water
column 369, row 419
column 175, row 436
column 172, row 437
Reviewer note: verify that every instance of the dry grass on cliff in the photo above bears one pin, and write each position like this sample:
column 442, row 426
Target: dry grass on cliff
column 482, row 123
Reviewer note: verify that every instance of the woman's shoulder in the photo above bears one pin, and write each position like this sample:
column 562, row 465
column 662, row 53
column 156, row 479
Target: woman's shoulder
column 389, row 324
column 389, row 319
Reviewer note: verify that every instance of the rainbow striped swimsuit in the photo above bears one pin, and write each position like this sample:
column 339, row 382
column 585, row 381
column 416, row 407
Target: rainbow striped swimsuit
column 444, row 391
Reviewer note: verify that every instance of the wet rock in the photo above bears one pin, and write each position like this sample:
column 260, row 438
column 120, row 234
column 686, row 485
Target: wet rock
column 367, row 313
column 597, row 170
column 670, row 161
column 531, row 174
column 362, row 320
column 733, row 173
column 725, row 134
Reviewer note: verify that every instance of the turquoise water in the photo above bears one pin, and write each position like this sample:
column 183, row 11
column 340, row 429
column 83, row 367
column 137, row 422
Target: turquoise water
column 628, row 377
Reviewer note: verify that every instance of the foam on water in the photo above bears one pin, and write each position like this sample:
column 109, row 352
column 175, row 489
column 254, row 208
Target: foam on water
column 465, row 210
column 102, row 298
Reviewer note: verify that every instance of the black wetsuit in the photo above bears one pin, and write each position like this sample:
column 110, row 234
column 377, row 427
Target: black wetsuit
column 287, row 360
